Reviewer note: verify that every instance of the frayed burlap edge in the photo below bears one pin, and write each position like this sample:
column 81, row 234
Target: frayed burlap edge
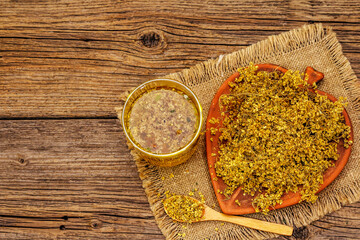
column 224, row 66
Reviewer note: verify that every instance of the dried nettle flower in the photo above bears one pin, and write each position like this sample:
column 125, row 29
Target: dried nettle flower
column 277, row 136
column 184, row 209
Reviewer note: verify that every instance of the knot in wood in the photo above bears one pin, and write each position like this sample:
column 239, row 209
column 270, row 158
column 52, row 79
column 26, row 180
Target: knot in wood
column 22, row 161
column 95, row 224
column 150, row 39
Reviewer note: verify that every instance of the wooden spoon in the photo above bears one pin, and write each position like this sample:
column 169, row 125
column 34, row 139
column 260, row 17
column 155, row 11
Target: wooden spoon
column 210, row 214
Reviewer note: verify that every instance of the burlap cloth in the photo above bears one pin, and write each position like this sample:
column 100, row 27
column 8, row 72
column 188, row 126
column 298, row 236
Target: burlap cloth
column 311, row 45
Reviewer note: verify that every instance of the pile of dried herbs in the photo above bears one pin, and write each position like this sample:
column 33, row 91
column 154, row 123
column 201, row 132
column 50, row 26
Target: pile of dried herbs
column 184, row 209
column 277, row 136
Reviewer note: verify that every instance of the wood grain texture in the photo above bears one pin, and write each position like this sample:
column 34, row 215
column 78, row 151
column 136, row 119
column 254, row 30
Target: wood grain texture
column 73, row 58
column 63, row 179
column 71, row 179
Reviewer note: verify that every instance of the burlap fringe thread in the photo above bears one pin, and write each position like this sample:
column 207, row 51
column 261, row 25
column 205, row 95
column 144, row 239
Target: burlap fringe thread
column 224, row 66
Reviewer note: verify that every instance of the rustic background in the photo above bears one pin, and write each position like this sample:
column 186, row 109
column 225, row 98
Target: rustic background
column 65, row 172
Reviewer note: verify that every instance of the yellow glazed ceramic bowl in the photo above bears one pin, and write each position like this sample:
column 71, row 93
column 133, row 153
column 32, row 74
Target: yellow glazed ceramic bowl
column 168, row 159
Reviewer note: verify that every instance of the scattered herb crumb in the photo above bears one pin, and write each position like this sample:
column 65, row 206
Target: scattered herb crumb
column 213, row 131
column 214, row 120
column 181, row 234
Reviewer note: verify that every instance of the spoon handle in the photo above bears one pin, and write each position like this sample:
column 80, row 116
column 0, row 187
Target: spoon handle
column 211, row 214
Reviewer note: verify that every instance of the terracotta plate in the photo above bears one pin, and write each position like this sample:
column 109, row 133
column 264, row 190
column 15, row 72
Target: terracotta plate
column 229, row 206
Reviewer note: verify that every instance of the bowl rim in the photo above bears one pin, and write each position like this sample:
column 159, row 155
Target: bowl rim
column 198, row 108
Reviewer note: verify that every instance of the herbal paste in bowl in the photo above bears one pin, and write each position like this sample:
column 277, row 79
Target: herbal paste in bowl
column 163, row 120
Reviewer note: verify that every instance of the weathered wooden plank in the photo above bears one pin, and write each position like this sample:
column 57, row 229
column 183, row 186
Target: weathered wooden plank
column 102, row 11
column 72, row 59
column 68, row 179
column 341, row 224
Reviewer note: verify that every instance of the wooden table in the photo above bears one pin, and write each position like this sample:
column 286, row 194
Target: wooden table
column 65, row 171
